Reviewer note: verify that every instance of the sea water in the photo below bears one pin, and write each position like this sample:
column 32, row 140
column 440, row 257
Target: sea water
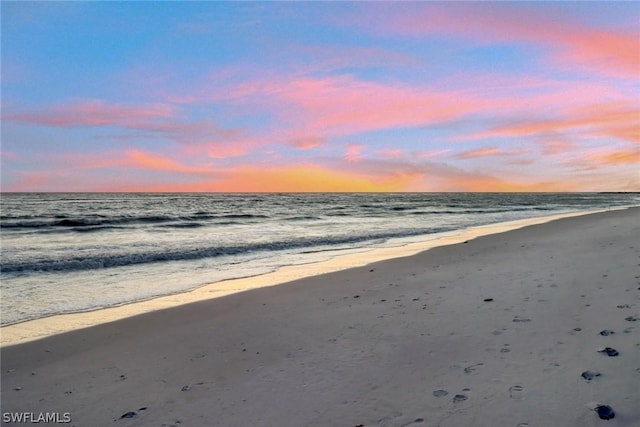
column 70, row 252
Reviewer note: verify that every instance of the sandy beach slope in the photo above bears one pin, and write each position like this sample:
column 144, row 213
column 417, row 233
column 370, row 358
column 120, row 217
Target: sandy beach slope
column 493, row 332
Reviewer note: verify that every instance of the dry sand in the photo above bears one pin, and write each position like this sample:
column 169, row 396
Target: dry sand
column 493, row 332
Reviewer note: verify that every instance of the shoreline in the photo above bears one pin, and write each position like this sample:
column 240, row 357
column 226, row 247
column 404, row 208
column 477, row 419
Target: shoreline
column 30, row 330
column 536, row 326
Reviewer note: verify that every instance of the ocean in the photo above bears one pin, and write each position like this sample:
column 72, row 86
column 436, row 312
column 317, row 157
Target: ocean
column 72, row 252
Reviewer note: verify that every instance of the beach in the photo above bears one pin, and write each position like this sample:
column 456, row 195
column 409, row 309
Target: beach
column 496, row 330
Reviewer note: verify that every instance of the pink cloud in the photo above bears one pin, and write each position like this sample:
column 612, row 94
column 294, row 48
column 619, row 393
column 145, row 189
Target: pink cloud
column 70, row 179
column 160, row 172
column 27, row 181
column 571, row 43
column 202, row 136
column 391, row 153
column 566, row 131
column 57, row 163
column 479, row 152
column 93, row 113
column 556, row 146
column 308, row 143
column 614, row 157
column 155, row 118
column 439, row 176
column 431, row 153
column 353, row 152
column 487, row 151
column 9, row 155
column 84, row 172
column 225, row 151
column 619, row 120
column 344, row 105
column 145, row 160
column 321, row 59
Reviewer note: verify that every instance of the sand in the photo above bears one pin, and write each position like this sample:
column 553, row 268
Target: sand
column 493, row 332
column 40, row 328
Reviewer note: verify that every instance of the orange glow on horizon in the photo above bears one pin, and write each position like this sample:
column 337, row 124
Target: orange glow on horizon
column 304, row 178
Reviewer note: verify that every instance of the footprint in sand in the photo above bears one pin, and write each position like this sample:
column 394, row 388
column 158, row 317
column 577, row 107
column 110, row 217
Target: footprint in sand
column 605, row 412
column 521, row 319
column 515, row 392
column 611, row 352
column 459, row 398
column 606, row 332
column 589, row 375
column 440, row 393
column 130, row 414
column 416, row 421
column 472, row 368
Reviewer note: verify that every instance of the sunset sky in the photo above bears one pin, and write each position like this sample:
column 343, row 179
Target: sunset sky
column 315, row 96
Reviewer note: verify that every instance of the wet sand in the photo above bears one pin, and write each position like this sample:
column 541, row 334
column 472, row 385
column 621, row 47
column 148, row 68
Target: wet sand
column 40, row 328
column 502, row 330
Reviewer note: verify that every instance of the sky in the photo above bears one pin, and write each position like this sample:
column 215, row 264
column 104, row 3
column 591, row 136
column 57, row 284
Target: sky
column 320, row 96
